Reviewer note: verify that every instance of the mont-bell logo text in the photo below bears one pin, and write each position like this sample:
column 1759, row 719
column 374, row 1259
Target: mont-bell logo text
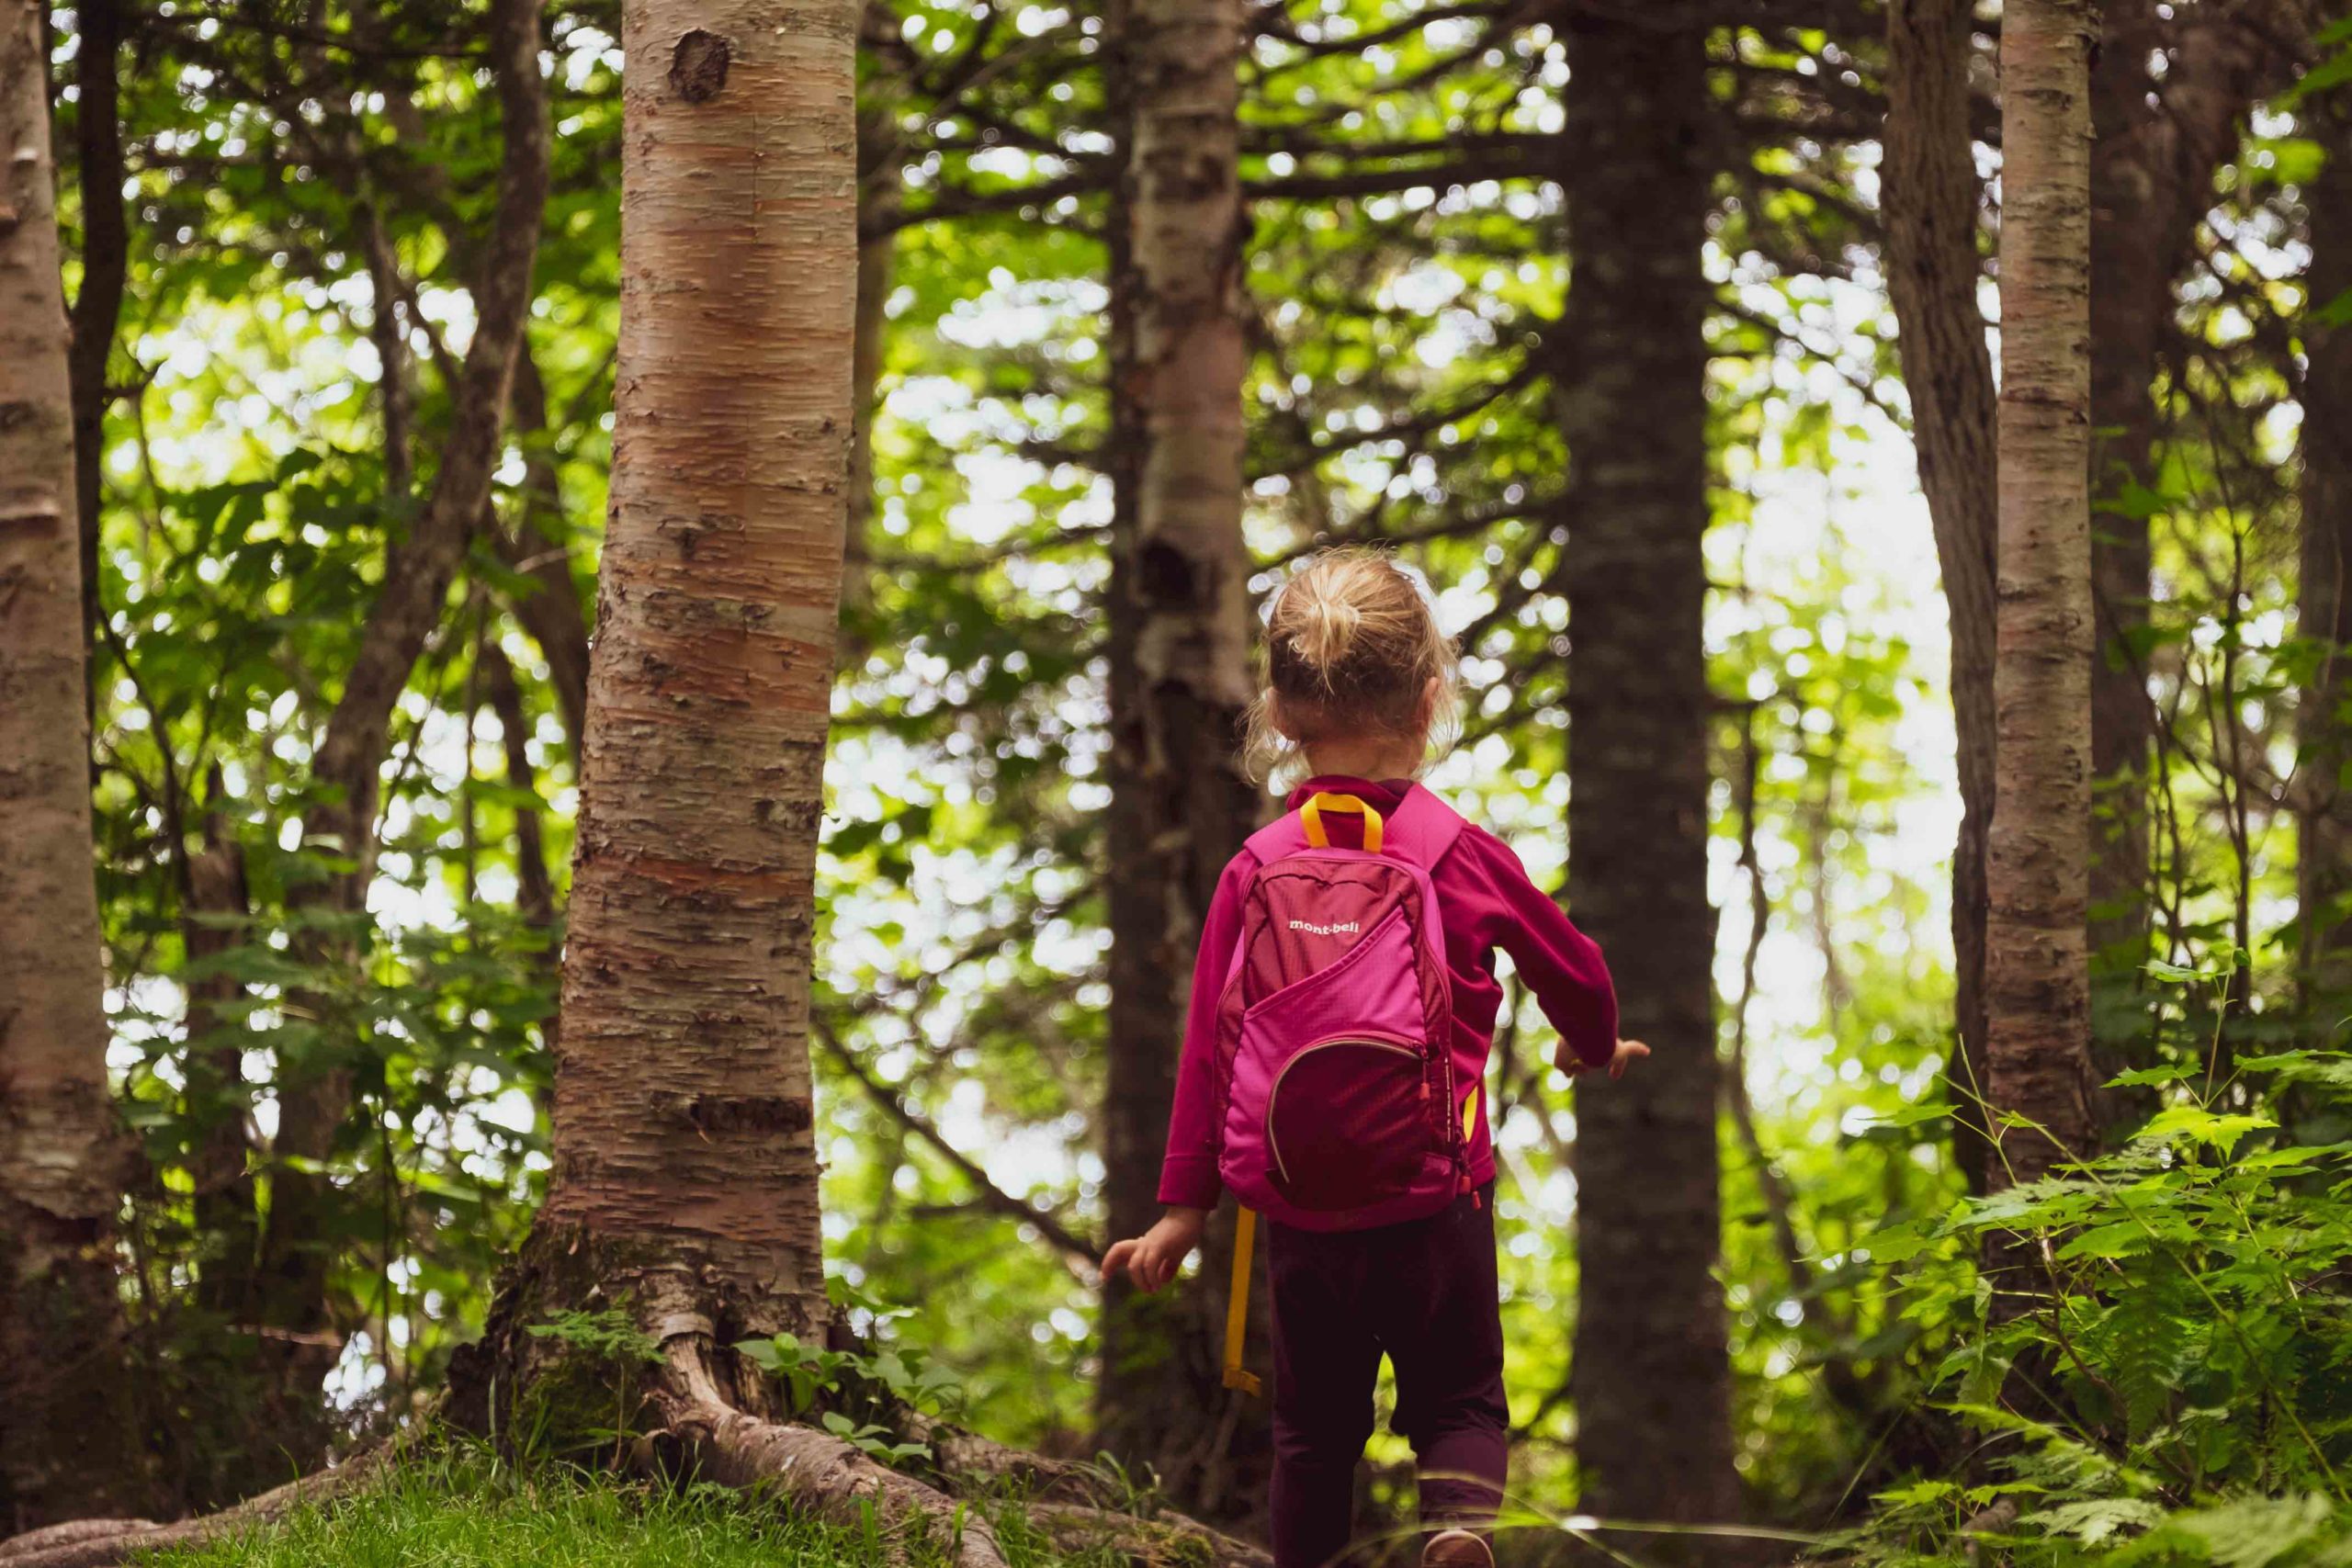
column 1337, row 927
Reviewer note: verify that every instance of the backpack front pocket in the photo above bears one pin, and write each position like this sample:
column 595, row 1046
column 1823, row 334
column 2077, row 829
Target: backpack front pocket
column 1347, row 1122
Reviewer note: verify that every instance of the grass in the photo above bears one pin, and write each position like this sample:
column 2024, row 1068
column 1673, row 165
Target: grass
column 460, row 1509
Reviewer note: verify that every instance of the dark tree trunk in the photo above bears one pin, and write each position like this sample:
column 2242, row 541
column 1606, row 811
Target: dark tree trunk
column 881, row 193
column 2158, row 141
column 1651, row 1375
column 2325, row 824
column 240, row 1448
column 1931, row 198
column 213, row 904
column 1180, row 681
column 540, row 546
column 106, row 255
column 534, row 887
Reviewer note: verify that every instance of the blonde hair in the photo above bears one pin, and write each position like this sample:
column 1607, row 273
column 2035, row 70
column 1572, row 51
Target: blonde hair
column 1351, row 644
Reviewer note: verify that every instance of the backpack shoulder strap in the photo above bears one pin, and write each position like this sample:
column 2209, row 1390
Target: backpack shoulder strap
column 1424, row 826
column 1282, row 836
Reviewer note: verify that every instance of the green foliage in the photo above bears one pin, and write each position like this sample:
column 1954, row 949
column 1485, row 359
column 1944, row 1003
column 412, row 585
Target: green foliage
column 837, row 1378
column 611, row 1334
column 2177, row 1390
column 616, row 1350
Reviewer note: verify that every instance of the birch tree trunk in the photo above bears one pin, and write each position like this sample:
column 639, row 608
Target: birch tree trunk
column 1179, row 629
column 685, row 1188
column 1653, row 1402
column 1931, row 198
column 68, row 1442
column 2037, row 974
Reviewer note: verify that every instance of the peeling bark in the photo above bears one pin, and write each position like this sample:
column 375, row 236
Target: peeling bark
column 1180, row 630
column 1931, row 196
column 1653, row 1407
column 2037, row 976
column 68, row 1441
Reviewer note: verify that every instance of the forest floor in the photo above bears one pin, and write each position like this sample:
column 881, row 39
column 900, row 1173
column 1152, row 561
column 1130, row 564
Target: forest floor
column 462, row 1509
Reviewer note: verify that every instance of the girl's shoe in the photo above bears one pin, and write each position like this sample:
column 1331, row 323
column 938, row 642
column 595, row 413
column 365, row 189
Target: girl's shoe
column 1457, row 1549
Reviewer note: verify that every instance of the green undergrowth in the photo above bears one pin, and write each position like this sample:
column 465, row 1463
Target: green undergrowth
column 2175, row 1389
column 457, row 1507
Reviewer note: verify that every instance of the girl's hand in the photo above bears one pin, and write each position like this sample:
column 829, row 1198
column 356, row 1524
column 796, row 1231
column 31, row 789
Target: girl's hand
column 1151, row 1259
column 1628, row 1052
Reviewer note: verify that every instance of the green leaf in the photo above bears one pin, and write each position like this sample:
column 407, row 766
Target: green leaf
column 2151, row 1076
column 2217, row 1131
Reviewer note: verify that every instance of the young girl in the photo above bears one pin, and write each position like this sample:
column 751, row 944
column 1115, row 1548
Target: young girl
column 1360, row 680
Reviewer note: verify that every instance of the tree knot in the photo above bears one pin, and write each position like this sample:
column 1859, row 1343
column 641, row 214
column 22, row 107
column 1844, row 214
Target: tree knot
column 698, row 66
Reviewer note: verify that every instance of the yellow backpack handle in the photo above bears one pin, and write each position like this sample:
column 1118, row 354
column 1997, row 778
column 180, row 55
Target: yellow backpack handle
column 1310, row 818
column 1236, row 1305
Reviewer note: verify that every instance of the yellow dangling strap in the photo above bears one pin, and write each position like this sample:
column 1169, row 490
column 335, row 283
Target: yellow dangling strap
column 1237, row 1305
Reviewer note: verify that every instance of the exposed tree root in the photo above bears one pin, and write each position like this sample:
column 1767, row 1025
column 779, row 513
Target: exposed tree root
column 1170, row 1541
column 706, row 1435
column 977, row 1466
column 820, row 1475
column 103, row 1544
column 72, row 1532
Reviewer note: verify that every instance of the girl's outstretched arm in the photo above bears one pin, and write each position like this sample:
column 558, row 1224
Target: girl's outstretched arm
column 1561, row 965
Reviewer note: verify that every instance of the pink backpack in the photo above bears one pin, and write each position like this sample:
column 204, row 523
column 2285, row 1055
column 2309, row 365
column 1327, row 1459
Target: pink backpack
column 1334, row 1034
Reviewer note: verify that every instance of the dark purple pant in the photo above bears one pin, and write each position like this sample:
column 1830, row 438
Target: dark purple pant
column 1424, row 1293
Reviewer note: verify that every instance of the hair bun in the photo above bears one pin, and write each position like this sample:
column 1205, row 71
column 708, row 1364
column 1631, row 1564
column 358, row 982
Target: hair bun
column 1327, row 629
column 1353, row 648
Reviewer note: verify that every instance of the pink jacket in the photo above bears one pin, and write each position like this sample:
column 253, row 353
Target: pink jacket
column 1487, row 902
